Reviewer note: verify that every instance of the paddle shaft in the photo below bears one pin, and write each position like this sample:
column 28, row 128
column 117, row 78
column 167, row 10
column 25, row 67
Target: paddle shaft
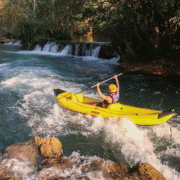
column 96, row 84
column 100, row 83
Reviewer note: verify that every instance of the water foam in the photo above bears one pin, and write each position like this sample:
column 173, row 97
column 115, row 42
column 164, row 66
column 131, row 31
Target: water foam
column 20, row 169
column 47, row 118
column 73, row 172
column 133, row 142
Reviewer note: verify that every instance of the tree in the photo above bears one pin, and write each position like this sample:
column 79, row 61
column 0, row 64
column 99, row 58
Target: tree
column 38, row 17
column 144, row 25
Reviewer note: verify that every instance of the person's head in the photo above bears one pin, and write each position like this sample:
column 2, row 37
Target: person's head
column 112, row 88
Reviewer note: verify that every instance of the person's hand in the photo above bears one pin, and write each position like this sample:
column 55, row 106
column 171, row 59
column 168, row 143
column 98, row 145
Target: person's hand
column 98, row 84
column 115, row 77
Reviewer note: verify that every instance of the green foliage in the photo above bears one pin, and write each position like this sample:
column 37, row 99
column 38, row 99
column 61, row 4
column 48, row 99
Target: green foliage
column 141, row 25
column 144, row 26
column 30, row 20
column 29, row 30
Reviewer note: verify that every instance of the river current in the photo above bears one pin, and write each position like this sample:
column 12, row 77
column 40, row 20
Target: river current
column 28, row 108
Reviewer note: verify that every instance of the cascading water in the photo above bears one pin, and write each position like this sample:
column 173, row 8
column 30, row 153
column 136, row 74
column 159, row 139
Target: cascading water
column 46, row 47
column 77, row 49
column 13, row 43
column 66, row 50
column 95, row 52
column 54, row 47
column 37, row 48
column 80, row 49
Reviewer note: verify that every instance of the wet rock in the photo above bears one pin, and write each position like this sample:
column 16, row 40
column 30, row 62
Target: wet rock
column 49, row 147
column 23, row 151
column 54, row 166
column 145, row 171
column 106, row 52
column 115, row 170
column 61, row 163
column 16, row 157
column 5, row 174
column 82, row 168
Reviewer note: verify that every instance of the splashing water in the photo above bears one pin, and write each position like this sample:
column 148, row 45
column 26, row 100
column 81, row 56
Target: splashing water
column 29, row 109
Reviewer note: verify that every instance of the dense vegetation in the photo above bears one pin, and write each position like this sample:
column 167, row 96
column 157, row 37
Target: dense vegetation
column 145, row 28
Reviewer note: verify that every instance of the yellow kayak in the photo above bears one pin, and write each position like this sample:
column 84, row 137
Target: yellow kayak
column 82, row 104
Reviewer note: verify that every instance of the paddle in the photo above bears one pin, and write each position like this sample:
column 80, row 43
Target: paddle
column 96, row 84
column 99, row 83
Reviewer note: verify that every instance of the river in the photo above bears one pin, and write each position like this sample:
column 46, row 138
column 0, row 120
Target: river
column 28, row 108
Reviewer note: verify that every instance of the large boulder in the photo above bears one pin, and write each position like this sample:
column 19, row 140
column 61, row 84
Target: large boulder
column 32, row 149
column 146, row 172
column 30, row 153
column 45, row 154
column 23, row 151
column 49, row 147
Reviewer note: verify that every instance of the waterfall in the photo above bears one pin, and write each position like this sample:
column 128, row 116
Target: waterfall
column 46, row 47
column 13, row 43
column 95, row 52
column 54, row 47
column 77, row 46
column 66, row 50
column 37, row 48
column 99, row 50
column 18, row 43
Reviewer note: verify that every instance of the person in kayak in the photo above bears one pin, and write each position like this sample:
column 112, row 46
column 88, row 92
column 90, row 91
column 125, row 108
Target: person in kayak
column 113, row 97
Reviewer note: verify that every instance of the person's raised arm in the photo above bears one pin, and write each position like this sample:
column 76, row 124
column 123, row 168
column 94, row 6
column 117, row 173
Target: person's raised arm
column 100, row 93
column 117, row 83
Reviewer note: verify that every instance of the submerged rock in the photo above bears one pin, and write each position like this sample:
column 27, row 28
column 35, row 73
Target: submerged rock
column 43, row 159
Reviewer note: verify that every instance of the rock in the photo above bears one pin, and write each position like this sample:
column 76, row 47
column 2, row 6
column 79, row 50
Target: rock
column 145, row 171
column 54, row 166
column 49, row 147
column 61, row 163
column 106, row 52
column 23, row 151
column 5, row 175
column 110, row 169
column 117, row 170
column 29, row 150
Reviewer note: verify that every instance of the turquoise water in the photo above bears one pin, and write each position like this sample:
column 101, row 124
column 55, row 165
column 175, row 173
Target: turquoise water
column 28, row 109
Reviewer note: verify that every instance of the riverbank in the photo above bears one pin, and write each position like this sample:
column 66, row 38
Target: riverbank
column 4, row 39
column 42, row 158
column 167, row 65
